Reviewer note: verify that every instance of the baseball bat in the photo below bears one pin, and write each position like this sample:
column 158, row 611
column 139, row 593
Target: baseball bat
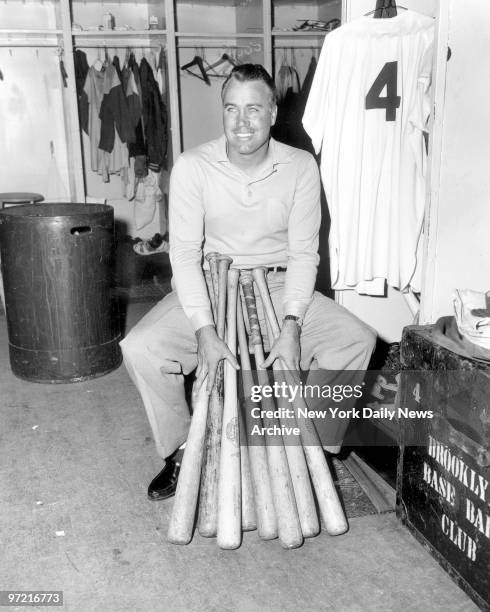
column 224, row 263
column 208, row 498
column 328, row 500
column 249, row 519
column 264, row 506
column 288, row 523
column 184, row 508
column 303, row 492
column 212, row 259
column 212, row 283
column 229, row 485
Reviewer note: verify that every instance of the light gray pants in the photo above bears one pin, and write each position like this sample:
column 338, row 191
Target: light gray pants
column 162, row 348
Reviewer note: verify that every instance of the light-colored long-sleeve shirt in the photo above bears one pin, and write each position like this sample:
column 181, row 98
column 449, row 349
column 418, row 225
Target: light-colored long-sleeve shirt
column 270, row 219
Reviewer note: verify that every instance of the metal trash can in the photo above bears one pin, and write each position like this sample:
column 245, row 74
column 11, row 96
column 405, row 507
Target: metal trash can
column 57, row 266
column 16, row 198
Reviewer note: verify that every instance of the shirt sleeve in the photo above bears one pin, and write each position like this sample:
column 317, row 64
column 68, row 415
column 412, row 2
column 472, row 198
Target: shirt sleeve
column 420, row 111
column 303, row 229
column 186, row 226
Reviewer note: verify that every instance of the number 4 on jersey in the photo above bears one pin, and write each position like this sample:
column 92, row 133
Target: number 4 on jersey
column 389, row 77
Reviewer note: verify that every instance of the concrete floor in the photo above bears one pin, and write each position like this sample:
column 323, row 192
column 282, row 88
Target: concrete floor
column 77, row 459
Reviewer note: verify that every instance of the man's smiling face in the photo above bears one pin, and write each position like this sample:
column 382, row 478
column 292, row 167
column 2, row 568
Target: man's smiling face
column 248, row 115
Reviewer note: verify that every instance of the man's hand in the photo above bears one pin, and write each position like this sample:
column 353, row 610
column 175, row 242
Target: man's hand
column 286, row 347
column 210, row 351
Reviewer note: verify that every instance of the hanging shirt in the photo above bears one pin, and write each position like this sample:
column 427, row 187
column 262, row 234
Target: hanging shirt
column 367, row 109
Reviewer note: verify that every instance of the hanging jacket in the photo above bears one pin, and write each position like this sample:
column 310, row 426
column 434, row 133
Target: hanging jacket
column 133, row 98
column 154, row 118
column 81, row 71
column 114, row 113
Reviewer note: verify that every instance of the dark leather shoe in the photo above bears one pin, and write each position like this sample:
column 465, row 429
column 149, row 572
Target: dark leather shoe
column 164, row 484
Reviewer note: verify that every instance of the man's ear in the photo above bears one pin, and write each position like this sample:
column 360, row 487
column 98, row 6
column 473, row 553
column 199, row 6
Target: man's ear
column 273, row 114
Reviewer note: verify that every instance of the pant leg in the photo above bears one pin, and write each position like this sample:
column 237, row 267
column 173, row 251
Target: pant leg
column 332, row 338
column 336, row 348
column 159, row 350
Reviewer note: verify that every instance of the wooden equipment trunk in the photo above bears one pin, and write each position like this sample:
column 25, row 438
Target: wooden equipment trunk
column 443, row 488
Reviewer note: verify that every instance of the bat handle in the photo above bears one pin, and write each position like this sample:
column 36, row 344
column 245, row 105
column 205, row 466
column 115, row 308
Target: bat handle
column 224, row 263
column 212, row 259
column 246, row 282
column 259, row 276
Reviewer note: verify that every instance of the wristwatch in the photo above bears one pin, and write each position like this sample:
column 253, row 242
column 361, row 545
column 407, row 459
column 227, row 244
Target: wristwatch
column 293, row 318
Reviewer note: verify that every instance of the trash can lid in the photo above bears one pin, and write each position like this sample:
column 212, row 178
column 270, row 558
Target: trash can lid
column 19, row 197
column 57, row 209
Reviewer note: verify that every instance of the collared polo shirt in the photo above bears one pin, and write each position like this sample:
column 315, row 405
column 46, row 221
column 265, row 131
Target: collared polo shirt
column 269, row 219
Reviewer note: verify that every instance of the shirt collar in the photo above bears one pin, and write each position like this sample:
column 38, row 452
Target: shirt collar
column 277, row 154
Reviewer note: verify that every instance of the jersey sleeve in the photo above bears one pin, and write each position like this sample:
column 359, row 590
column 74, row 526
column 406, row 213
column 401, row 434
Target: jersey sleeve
column 313, row 117
column 421, row 115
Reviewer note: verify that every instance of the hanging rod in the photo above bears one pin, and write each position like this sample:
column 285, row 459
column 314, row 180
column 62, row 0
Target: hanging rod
column 219, row 35
column 41, row 32
column 40, row 43
column 219, row 46
column 300, row 45
column 111, row 44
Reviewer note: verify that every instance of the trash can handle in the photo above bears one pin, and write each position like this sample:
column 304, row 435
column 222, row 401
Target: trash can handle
column 80, row 229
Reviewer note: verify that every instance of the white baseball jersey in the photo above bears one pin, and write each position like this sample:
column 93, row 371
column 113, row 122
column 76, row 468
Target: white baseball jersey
column 367, row 108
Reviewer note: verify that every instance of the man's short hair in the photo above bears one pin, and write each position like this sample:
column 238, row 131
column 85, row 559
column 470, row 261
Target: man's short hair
column 251, row 72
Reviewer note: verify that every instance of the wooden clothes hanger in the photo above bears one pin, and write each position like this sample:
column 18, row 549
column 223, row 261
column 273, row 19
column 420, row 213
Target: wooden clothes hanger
column 126, row 57
column 197, row 61
column 107, row 59
column 224, row 59
column 386, row 9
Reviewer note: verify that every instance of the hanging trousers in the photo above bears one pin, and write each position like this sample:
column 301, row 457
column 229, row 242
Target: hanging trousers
column 162, row 348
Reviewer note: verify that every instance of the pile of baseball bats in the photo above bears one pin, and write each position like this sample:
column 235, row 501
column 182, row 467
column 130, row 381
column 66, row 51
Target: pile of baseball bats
column 283, row 489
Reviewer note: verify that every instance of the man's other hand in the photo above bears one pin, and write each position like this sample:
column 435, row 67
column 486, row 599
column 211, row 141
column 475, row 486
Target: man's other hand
column 286, row 347
column 210, row 351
